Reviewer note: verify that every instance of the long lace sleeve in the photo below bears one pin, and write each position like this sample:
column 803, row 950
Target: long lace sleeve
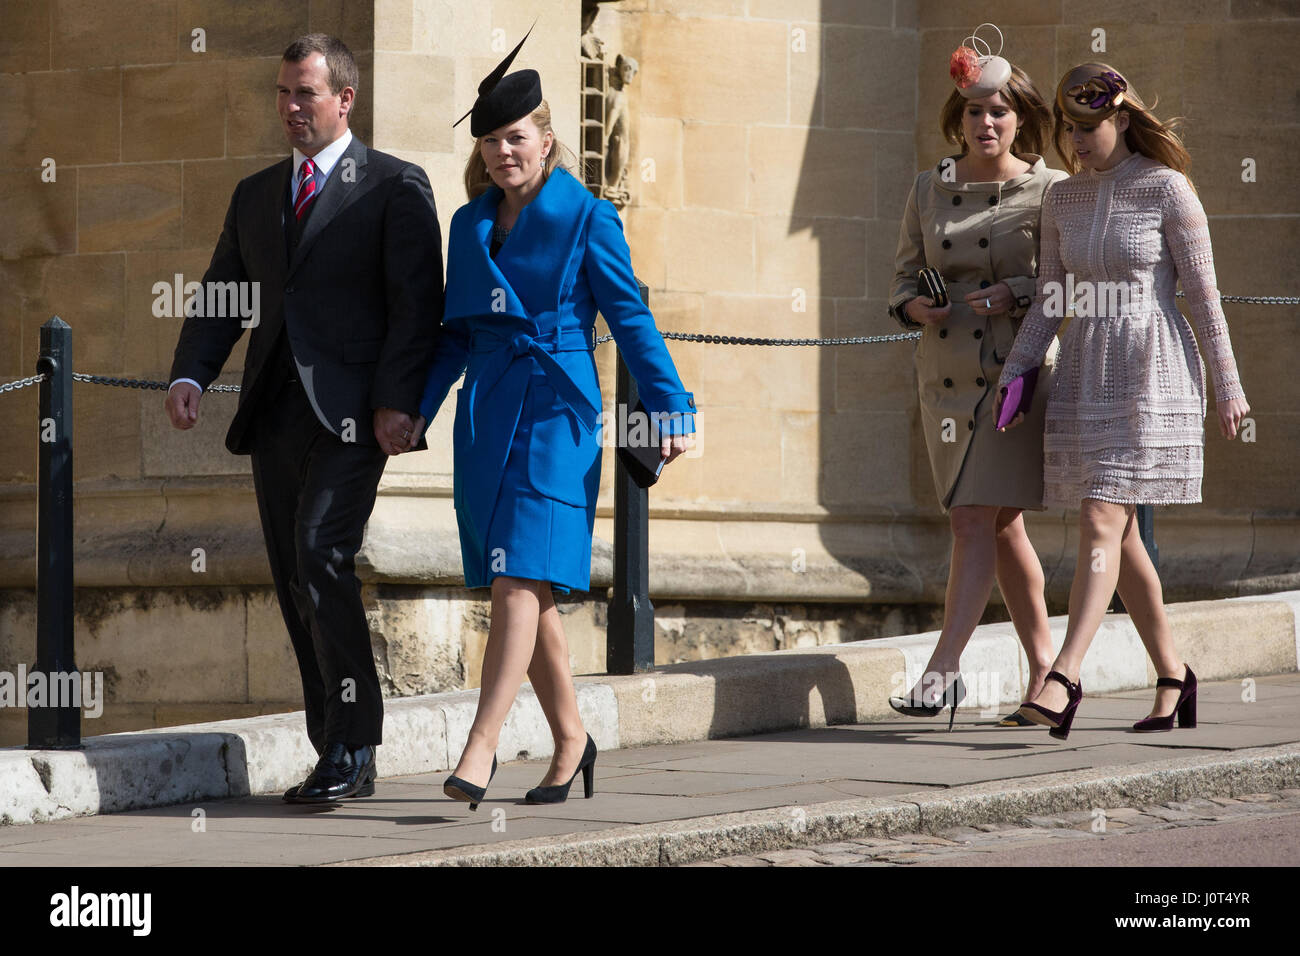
column 1036, row 332
column 1187, row 234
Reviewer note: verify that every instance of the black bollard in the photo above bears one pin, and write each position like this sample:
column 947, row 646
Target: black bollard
column 630, row 634
column 55, row 727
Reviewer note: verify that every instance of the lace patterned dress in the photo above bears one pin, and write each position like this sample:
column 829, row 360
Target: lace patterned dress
column 1126, row 410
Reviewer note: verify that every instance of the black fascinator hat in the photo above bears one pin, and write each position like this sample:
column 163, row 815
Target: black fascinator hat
column 503, row 99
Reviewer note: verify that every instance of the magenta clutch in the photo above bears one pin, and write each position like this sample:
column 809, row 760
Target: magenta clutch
column 1016, row 396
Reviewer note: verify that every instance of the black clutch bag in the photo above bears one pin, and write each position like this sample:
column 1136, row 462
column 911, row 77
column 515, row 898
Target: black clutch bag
column 641, row 459
column 929, row 285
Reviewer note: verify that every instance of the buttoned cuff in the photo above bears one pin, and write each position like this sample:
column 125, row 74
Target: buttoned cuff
column 1022, row 294
column 674, row 412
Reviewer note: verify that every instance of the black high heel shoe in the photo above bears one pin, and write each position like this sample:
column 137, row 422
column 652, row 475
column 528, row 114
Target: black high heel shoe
column 560, row 791
column 463, row 790
column 953, row 695
column 1185, row 709
column 1058, row 722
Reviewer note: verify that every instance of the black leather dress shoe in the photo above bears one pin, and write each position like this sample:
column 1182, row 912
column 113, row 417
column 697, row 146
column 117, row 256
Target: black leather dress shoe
column 339, row 773
column 366, row 790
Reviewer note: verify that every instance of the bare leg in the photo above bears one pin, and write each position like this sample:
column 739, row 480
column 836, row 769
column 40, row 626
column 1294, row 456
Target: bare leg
column 1096, row 572
column 970, row 582
column 553, row 683
column 511, row 639
column 1020, row 578
column 1139, row 589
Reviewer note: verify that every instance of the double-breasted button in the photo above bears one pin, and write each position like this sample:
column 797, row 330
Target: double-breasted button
column 947, row 383
column 993, row 200
column 979, row 382
column 979, row 333
column 984, row 243
column 956, row 200
column 985, row 283
column 943, row 333
column 947, row 243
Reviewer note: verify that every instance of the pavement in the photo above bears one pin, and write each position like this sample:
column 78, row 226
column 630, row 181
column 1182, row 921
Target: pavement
column 794, row 689
column 717, row 799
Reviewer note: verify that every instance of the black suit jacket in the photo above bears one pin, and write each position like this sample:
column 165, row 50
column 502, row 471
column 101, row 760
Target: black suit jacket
column 361, row 299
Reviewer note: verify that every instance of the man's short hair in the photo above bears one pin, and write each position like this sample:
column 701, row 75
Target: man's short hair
column 338, row 59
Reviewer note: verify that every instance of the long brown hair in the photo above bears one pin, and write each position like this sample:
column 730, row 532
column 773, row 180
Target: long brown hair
column 1024, row 100
column 477, row 178
column 1145, row 134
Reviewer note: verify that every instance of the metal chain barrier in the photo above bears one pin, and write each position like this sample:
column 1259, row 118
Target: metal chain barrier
column 902, row 336
column 106, row 380
column 1256, row 299
column 706, row 337
column 751, row 340
column 21, row 383
column 140, row 383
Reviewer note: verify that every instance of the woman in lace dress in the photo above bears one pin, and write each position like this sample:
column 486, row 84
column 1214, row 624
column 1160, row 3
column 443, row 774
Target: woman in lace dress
column 1127, row 405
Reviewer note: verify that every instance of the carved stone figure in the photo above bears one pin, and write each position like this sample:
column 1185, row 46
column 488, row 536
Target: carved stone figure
column 617, row 133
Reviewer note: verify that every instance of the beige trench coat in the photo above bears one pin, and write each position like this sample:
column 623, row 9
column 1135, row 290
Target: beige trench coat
column 975, row 234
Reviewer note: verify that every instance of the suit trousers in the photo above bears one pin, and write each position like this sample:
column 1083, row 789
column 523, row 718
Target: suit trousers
column 315, row 494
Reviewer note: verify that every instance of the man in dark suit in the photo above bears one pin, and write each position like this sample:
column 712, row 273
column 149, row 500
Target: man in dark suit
column 343, row 245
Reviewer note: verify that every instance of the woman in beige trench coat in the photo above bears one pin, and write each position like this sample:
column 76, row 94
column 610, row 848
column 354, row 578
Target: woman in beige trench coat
column 974, row 218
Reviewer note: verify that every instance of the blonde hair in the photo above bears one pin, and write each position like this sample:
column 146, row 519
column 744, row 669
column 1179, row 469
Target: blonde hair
column 1024, row 100
column 477, row 178
column 1145, row 134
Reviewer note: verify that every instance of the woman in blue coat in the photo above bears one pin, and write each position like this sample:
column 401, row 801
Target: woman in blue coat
column 531, row 259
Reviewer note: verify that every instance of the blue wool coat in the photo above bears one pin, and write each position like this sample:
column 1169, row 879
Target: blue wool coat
column 521, row 328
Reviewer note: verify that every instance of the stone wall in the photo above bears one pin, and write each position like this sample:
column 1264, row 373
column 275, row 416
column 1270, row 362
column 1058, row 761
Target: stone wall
column 773, row 144
column 784, row 137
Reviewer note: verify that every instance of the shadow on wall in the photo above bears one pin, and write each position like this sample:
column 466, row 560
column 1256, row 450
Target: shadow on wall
column 749, row 700
column 859, row 161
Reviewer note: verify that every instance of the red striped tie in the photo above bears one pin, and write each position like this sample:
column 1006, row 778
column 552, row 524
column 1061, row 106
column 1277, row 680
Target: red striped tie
column 306, row 189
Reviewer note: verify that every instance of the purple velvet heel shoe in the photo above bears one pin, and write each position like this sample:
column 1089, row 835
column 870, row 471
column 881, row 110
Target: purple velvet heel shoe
column 1058, row 722
column 1185, row 709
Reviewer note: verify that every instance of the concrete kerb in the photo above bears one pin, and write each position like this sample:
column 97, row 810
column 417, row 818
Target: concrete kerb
column 759, row 693
column 1290, row 598
column 760, row 831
